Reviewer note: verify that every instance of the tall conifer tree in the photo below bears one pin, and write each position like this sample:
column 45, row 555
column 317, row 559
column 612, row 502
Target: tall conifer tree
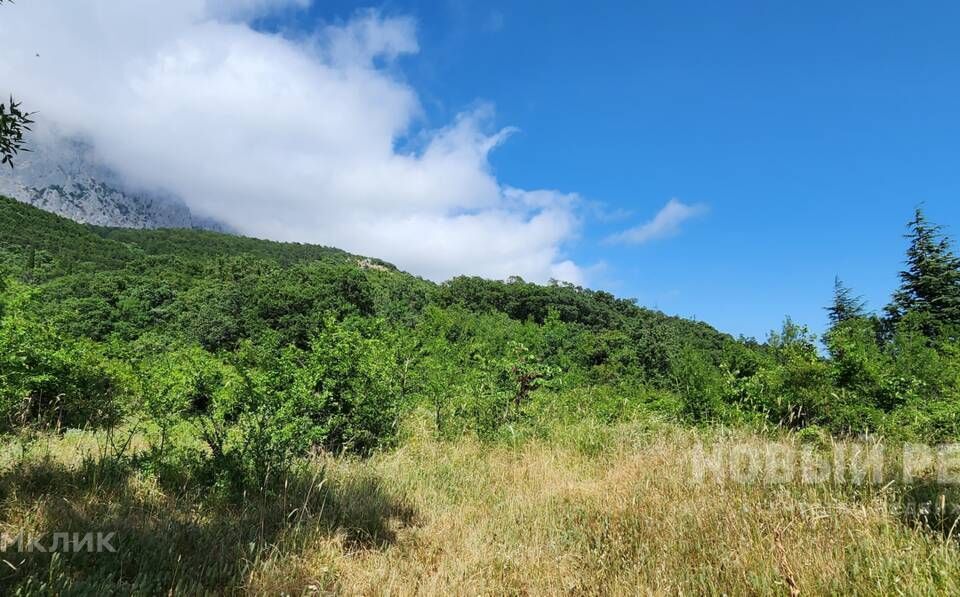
column 845, row 304
column 930, row 284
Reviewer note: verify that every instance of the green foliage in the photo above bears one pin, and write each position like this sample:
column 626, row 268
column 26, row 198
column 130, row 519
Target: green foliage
column 13, row 123
column 262, row 405
column 437, row 362
column 814, row 436
column 188, row 384
column 262, row 351
column 930, row 285
column 50, row 381
column 845, row 305
column 702, row 387
column 795, row 388
column 602, row 403
column 860, row 363
column 347, row 385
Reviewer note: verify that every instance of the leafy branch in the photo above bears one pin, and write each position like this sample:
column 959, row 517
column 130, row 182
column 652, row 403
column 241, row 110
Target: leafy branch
column 13, row 123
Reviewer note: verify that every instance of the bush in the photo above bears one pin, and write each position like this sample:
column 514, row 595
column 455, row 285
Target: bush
column 53, row 382
column 795, row 388
column 192, row 385
column 257, row 408
column 702, row 387
column 346, row 385
column 602, row 403
column 814, row 436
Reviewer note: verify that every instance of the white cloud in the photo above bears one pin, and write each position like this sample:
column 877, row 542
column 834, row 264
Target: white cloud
column 368, row 36
column 281, row 138
column 666, row 223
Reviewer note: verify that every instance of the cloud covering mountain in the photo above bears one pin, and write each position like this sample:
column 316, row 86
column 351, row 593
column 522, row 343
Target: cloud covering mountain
column 289, row 138
column 65, row 176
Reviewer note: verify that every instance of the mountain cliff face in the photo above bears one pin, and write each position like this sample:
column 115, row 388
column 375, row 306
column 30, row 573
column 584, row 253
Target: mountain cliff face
column 62, row 176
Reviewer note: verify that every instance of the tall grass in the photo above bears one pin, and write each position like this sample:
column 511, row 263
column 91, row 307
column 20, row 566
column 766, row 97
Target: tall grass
column 591, row 509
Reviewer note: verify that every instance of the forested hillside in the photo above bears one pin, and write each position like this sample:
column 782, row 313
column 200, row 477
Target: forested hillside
column 204, row 304
column 226, row 386
column 270, row 349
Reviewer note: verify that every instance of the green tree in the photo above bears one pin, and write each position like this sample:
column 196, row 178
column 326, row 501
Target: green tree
column 187, row 384
column 346, row 386
column 845, row 305
column 700, row 386
column 49, row 381
column 437, row 362
column 930, row 284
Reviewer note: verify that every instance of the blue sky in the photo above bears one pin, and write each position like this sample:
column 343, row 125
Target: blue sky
column 794, row 139
column 810, row 129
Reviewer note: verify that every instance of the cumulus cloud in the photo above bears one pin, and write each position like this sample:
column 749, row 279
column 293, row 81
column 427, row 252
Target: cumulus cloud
column 290, row 139
column 666, row 223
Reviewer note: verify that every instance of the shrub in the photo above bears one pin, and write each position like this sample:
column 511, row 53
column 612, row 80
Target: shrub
column 601, row 403
column 192, row 385
column 55, row 382
column 814, row 436
column 346, row 385
column 701, row 386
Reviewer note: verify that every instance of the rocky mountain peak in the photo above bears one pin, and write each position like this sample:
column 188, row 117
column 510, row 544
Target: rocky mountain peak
column 63, row 175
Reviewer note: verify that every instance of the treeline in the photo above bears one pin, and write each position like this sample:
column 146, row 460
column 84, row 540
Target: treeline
column 235, row 355
column 896, row 373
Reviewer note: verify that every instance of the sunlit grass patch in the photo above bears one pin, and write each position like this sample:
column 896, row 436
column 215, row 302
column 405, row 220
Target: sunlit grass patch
column 537, row 515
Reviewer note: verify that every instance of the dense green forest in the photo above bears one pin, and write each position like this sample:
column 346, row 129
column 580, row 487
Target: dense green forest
column 267, row 350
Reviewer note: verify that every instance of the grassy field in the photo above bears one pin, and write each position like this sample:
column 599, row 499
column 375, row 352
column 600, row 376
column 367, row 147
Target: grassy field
column 582, row 510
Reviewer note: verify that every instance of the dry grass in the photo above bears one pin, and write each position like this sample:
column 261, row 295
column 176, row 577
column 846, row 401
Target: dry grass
column 547, row 519
column 590, row 511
